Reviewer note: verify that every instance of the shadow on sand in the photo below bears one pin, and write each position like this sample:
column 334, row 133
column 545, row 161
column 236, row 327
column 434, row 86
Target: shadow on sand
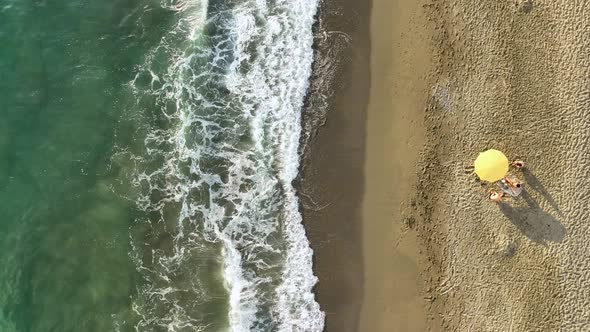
column 532, row 221
column 534, row 183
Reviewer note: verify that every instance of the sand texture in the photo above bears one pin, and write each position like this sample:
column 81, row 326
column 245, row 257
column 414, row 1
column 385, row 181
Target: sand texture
column 403, row 235
column 401, row 66
column 513, row 75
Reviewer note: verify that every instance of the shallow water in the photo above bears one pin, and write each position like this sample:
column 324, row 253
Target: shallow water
column 148, row 153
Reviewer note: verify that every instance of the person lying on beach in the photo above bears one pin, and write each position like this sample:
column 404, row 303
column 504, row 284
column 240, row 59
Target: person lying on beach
column 510, row 185
column 512, row 181
column 496, row 196
column 517, row 163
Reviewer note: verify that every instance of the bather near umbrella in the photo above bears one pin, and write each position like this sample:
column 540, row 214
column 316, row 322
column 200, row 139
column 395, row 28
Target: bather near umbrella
column 491, row 165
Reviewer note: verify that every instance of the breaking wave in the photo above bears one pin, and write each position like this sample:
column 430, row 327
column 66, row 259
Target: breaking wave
column 217, row 108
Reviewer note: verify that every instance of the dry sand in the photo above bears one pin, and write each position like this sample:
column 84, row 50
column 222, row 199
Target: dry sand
column 514, row 75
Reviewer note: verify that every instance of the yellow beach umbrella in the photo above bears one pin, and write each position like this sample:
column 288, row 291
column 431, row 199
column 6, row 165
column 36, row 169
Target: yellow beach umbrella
column 491, row 165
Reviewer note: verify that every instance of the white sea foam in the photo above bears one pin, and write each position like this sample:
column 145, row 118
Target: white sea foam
column 222, row 165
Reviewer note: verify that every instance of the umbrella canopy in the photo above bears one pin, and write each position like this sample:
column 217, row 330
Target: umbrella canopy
column 491, row 165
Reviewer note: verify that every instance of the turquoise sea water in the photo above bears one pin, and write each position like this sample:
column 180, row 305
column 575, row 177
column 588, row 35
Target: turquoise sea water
column 147, row 150
column 64, row 233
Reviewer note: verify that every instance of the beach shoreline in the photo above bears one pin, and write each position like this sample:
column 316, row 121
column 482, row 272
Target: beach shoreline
column 366, row 257
column 403, row 236
column 330, row 185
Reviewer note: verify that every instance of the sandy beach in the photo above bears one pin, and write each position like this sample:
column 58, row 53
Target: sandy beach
column 449, row 79
column 367, row 260
column 514, row 76
column 401, row 67
column 332, row 181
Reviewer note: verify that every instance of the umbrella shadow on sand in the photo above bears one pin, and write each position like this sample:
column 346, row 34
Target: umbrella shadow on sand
column 532, row 181
column 533, row 222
